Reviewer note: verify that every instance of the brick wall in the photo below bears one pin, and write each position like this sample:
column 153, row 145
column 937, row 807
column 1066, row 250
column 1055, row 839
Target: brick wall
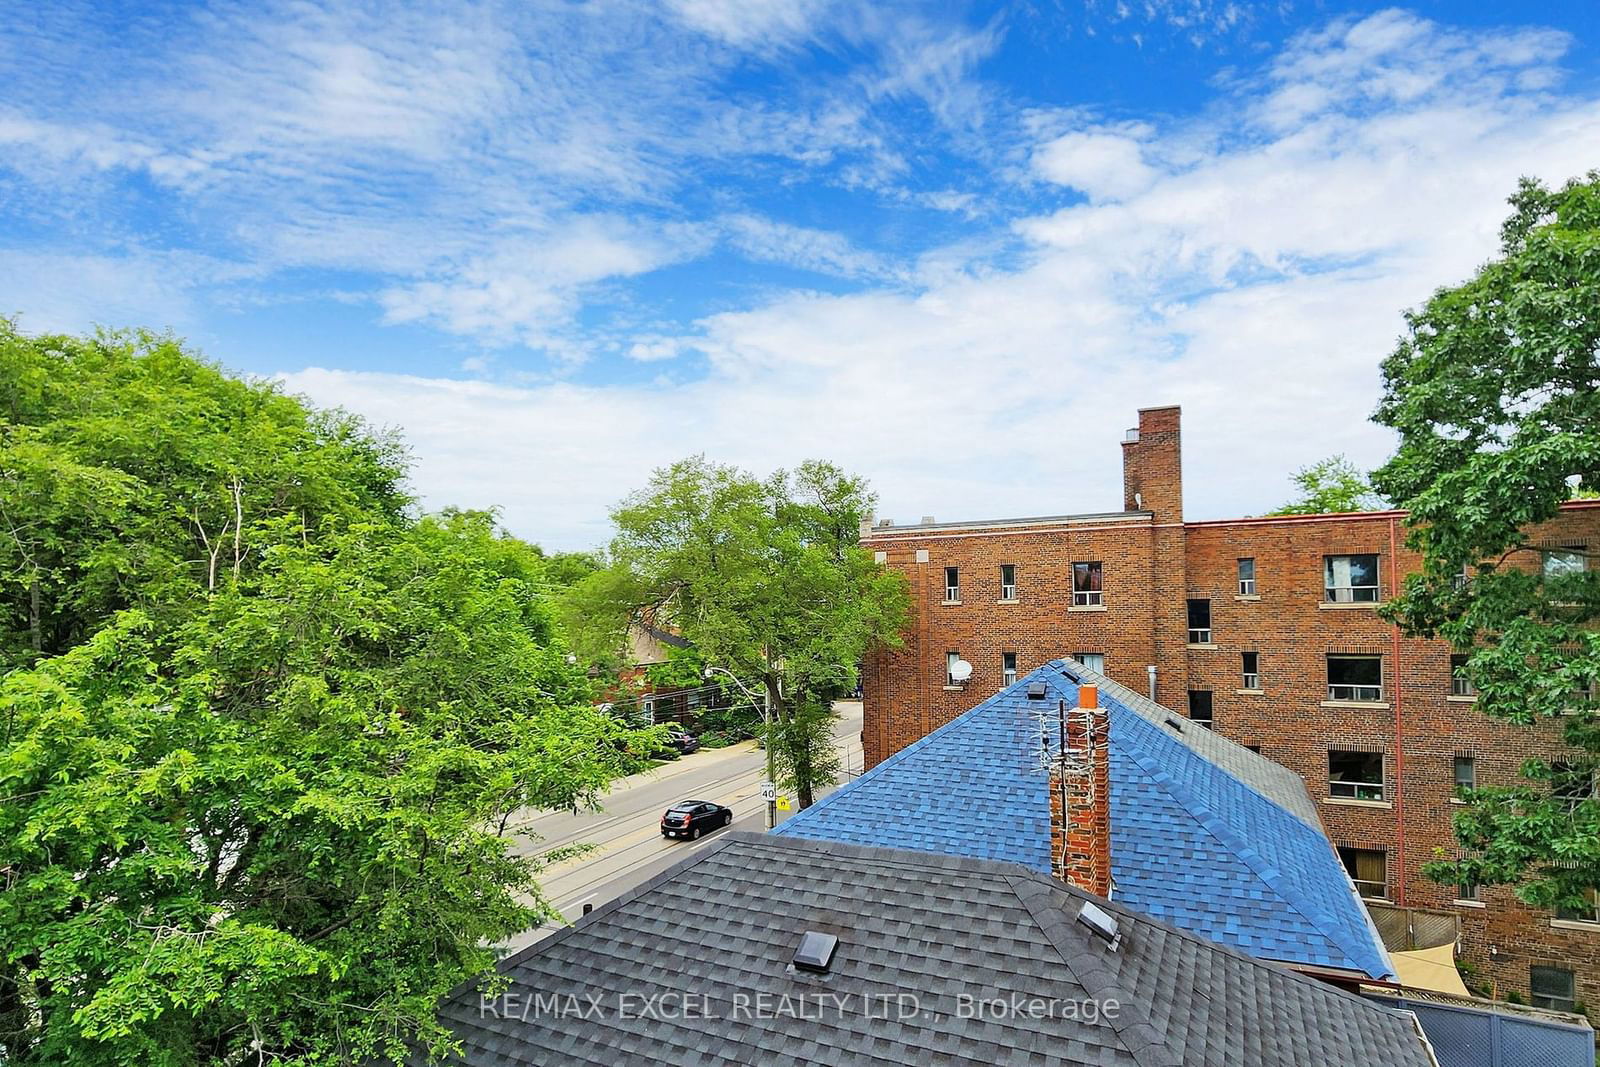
column 1080, row 799
column 1153, row 562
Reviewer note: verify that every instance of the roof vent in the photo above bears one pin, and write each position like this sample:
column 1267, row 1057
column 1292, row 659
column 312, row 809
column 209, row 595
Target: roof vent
column 1175, row 724
column 1037, row 690
column 1101, row 923
column 927, row 520
column 815, row 953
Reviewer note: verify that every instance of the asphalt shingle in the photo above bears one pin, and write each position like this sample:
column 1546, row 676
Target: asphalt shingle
column 922, row 940
column 1206, row 834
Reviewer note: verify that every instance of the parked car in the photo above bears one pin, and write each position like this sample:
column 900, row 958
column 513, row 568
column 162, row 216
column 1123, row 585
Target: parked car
column 691, row 818
column 679, row 743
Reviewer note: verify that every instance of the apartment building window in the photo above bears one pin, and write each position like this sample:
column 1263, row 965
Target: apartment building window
column 1247, row 577
column 1467, row 890
column 1350, row 579
column 1199, row 622
column 1460, row 684
column 1570, row 784
column 1587, row 912
column 1355, row 678
column 1251, row 674
column 950, row 661
column 1095, row 661
column 1200, row 707
column 1563, row 562
column 1086, row 589
column 1254, row 748
column 1466, row 774
column 1355, row 775
column 1368, row 869
column 1008, row 581
column 1008, row 668
column 952, row 584
column 1552, row 988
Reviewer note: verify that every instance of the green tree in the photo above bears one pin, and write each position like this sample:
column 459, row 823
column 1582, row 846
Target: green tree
column 1333, row 485
column 264, row 729
column 765, row 578
column 133, row 474
column 278, row 830
column 1495, row 392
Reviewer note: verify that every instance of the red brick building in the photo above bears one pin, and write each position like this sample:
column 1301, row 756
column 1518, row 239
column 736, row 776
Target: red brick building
column 1266, row 629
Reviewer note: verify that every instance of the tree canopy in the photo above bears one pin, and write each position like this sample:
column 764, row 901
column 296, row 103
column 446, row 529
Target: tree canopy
column 264, row 739
column 1495, row 391
column 1331, row 486
column 765, row 577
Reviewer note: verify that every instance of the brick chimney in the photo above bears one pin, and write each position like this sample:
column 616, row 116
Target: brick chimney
column 1080, row 798
column 1152, row 465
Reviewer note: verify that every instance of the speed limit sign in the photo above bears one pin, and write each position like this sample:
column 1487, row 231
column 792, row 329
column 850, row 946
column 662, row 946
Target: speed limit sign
column 769, row 791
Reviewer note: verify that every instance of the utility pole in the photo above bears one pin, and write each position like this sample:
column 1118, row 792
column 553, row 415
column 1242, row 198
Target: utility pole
column 769, row 788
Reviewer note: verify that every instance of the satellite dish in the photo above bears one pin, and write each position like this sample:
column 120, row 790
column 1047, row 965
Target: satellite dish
column 960, row 670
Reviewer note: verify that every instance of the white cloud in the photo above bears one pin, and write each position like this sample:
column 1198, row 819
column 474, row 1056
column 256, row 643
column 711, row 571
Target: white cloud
column 1103, row 165
column 822, row 251
column 527, row 287
column 752, row 23
column 1256, row 276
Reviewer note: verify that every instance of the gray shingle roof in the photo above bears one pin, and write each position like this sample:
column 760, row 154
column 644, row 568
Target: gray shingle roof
column 724, row 924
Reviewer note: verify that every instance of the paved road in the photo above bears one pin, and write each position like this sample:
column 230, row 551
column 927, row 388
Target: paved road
column 630, row 848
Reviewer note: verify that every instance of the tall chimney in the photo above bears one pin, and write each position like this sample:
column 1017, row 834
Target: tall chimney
column 1152, row 465
column 1080, row 797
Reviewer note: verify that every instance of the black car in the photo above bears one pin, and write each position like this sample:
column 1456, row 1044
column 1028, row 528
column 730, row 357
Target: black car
column 678, row 743
column 691, row 818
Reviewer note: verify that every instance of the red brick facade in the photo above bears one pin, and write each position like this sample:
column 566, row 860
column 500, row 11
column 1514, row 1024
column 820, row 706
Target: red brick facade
column 1151, row 563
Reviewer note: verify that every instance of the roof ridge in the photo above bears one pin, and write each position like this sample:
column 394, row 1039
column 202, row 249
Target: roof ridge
column 1270, row 874
column 1139, row 1036
column 1279, row 967
column 626, row 897
column 1132, row 700
column 801, row 818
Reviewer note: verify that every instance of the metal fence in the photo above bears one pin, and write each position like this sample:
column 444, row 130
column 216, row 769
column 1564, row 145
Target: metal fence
column 1472, row 1033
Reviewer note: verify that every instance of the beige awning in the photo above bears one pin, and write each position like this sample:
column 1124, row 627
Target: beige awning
column 1430, row 968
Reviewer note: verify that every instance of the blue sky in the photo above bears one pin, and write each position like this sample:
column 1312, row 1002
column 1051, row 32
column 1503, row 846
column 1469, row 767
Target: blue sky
column 953, row 248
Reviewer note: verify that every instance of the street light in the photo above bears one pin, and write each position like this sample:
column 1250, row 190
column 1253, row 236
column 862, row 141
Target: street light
column 766, row 735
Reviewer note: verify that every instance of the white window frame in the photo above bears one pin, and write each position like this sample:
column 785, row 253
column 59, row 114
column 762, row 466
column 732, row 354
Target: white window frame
column 1008, row 591
column 1247, row 586
column 1460, row 686
column 1335, row 593
column 1575, row 561
column 1352, row 790
column 950, row 659
column 1083, row 598
column 1591, row 916
column 1355, row 694
column 952, row 593
column 1008, row 675
column 1198, row 635
column 1252, row 679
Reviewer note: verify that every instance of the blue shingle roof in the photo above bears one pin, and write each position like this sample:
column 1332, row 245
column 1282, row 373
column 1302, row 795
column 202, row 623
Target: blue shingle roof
column 1191, row 843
